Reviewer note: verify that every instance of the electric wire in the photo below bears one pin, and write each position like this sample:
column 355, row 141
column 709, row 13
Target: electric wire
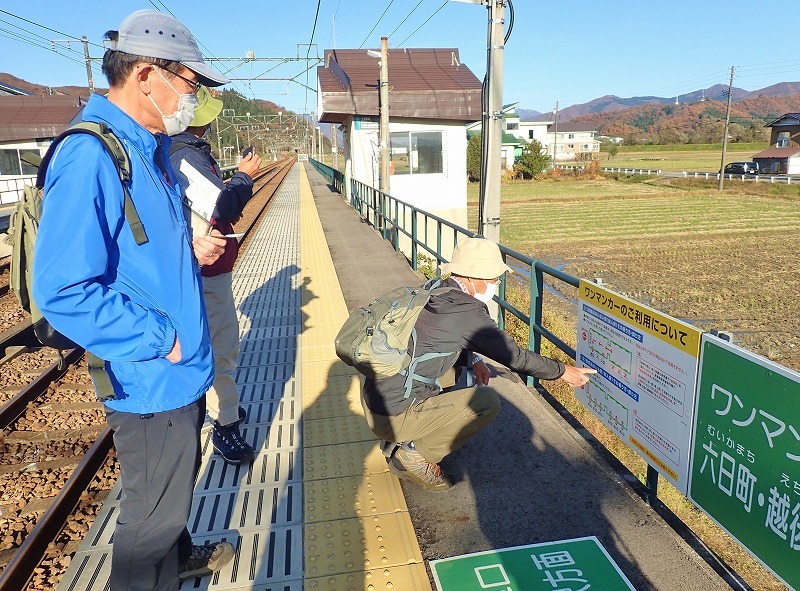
column 46, row 28
column 376, row 24
column 422, row 25
column 413, row 10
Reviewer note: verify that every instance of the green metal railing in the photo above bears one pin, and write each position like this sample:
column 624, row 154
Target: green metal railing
column 382, row 211
column 388, row 215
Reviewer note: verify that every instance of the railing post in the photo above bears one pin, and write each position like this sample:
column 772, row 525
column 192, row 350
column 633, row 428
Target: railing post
column 535, row 315
column 652, row 486
column 438, row 243
column 414, row 263
column 395, row 230
column 501, row 316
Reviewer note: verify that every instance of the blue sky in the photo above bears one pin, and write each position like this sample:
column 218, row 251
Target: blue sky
column 558, row 51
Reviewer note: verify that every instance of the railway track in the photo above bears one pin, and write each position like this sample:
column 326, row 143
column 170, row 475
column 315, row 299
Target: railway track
column 57, row 461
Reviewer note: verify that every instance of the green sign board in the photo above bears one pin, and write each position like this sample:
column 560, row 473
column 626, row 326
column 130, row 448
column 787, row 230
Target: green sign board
column 745, row 466
column 581, row 564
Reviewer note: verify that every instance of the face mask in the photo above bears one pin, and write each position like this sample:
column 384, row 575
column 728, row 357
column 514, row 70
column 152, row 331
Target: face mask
column 487, row 295
column 180, row 119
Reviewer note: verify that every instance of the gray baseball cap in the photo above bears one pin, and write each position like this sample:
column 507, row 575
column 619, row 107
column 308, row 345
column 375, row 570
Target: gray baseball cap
column 151, row 33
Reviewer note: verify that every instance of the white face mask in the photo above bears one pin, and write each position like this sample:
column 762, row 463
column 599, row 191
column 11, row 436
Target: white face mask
column 180, row 119
column 487, row 295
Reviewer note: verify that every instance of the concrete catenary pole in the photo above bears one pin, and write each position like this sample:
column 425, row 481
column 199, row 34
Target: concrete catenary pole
column 725, row 135
column 383, row 110
column 334, row 145
column 88, row 60
column 489, row 224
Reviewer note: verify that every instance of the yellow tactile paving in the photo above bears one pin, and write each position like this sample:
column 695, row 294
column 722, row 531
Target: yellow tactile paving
column 345, row 459
column 348, row 545
column 401, row 578
column 357, row 534
column 352, row 496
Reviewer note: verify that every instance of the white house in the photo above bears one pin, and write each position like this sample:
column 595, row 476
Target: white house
column 572, row 141
column 516, row 134
column 432, row 96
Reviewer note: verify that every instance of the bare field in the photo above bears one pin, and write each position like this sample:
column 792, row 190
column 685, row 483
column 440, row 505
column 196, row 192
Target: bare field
column 717, row 260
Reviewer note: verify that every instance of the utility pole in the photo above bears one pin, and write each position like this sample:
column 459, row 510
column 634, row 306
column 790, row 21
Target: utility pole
column 492, row 126
column 334, row 145
column 725, row 136
column 88, row 60
column 383, row 111
column 555, row 135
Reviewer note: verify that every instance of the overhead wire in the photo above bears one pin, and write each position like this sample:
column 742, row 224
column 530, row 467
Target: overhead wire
column 408, row 16
column 376, row 24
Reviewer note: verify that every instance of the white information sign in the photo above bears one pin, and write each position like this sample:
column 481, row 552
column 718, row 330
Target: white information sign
column 645, row 385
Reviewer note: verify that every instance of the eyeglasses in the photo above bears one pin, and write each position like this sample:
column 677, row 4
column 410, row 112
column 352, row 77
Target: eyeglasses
column 194, row 85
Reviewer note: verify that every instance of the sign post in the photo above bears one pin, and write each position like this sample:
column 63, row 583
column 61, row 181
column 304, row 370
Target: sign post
column 745, row 470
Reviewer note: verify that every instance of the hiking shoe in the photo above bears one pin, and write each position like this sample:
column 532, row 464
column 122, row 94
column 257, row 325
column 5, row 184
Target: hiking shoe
column 206, row 559
column 409, row 463
column 230, row 444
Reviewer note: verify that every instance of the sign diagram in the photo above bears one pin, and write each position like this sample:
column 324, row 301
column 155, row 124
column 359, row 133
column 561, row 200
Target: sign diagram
column 646, row 366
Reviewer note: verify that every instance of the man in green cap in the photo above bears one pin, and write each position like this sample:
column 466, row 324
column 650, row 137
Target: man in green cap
column 190, row 155
column 420, row 427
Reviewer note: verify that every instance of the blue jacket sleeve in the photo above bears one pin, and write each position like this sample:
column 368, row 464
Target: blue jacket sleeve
column 233, row 195
column 73, row 271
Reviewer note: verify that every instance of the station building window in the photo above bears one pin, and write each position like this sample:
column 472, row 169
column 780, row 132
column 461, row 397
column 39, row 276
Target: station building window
column 416, row 152
column 11, row 165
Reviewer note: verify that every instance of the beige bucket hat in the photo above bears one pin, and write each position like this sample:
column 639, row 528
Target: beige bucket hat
column 478, row 258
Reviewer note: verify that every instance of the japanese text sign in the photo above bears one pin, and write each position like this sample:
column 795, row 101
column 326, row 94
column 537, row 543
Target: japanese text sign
column 581, row 564
column 645, row 384
column 745, row 467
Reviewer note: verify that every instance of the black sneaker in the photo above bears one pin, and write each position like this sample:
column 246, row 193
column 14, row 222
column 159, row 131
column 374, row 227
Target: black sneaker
column 206, row 559
column 229, row 443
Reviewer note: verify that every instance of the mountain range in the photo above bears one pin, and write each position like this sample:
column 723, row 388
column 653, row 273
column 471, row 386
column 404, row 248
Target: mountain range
column 610, row 103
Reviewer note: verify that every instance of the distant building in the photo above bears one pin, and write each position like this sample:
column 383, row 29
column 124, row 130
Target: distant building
column 571, row 141
column 29, row 123
column 783, row 155
column 432, row 96
column 516, row 134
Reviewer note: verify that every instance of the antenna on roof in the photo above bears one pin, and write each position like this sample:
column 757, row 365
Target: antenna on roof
column 454, row 59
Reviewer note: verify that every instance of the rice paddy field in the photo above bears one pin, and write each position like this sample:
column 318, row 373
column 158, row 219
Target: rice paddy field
column 717, row 260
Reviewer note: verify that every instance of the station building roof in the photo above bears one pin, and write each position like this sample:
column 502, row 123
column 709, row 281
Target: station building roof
column 35, row 117
column 423, row 83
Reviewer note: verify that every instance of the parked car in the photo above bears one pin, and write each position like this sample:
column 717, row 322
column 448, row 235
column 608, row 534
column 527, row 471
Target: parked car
column 749, row 168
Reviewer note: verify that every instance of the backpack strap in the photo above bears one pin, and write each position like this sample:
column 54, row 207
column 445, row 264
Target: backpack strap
column 121, row 161
column 114, row 148
column 410, row 371
column 100, row 378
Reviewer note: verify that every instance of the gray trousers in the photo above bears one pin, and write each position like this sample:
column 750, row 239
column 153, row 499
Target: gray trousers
column 159, row 456
column 441, row 424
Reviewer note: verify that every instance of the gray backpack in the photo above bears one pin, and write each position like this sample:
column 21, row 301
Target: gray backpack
column 379, row 339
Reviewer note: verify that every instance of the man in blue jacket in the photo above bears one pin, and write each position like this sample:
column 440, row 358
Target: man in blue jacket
column 138, row 306
column 190, row 154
